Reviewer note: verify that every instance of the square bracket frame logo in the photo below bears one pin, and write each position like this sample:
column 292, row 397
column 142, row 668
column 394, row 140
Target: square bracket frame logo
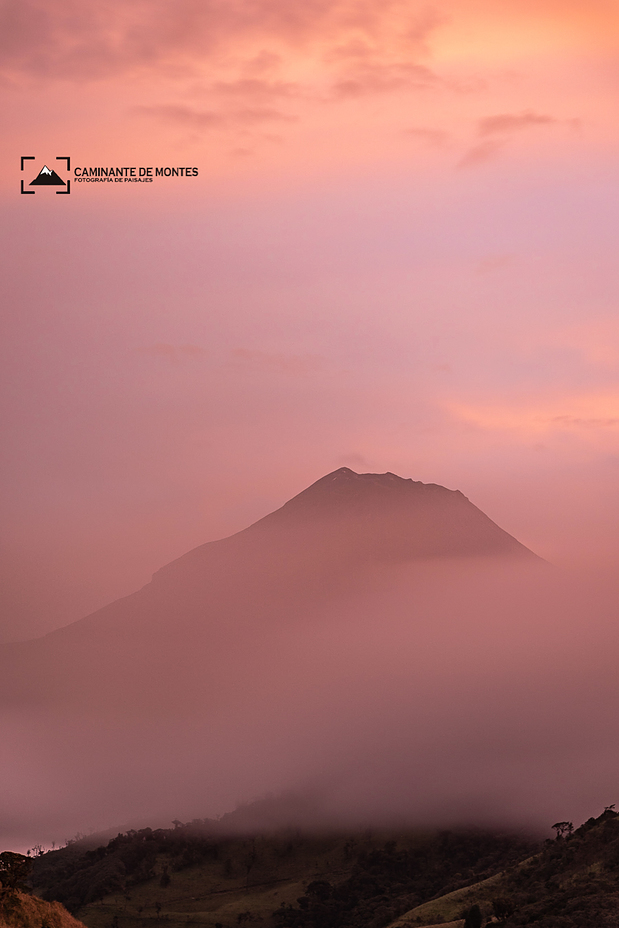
column 45, row 177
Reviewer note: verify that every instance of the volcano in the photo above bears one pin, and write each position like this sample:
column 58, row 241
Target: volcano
column 339, row 633
column 345, row 520
column 326, row 542
column 47, row 178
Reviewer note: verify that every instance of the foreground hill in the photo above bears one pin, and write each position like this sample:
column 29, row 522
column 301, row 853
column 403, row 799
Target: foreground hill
column 196, row 875
column 24, row 911
column 199, row 874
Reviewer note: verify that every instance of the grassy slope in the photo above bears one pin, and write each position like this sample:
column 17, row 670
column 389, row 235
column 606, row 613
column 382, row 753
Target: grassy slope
column 571, row 882
column 219, row 890
column 22, row 911
column 446, row 909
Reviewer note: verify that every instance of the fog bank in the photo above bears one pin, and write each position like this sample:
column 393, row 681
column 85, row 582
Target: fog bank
column 472, row 690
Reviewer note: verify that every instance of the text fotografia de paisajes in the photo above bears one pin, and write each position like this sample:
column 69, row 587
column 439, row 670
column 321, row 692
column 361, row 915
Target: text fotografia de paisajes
column 134, row 175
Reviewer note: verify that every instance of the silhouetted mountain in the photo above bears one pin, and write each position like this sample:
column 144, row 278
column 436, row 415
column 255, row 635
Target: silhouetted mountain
column 346, row 518
column 323, row 543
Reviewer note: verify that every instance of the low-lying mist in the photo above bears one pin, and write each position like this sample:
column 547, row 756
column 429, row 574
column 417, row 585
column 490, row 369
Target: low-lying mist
column 442, row 691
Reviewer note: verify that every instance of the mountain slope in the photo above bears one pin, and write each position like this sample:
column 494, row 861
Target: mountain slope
column 573, row 882
column 323, row 543
column 353, row 517
column 318, row 651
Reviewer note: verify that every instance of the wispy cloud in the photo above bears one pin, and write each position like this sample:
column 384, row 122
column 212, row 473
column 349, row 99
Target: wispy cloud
column 182, row 115
column 174, row 353
column 353, row 459
column 201, row 120
column 379, row 77
column 574, row 413
column 278, row 362
column 480, row 154
column 496, row 130
column 505, row 123
column 431, row 136
column 255, row 89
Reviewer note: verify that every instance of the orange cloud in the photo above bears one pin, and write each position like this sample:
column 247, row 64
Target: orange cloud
column 583, row 413
column 378, row 77
column 84, row 40
column 212, row 76
column 357, row 45
column 254, row 89
column 182, row 115
column 201, row 120
column 506, row 122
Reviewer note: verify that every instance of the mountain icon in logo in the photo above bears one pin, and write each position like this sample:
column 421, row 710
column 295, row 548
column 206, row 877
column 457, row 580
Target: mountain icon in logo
column 45, row 177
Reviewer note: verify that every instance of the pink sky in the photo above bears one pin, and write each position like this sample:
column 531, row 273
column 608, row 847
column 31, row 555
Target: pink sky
column 399, row 254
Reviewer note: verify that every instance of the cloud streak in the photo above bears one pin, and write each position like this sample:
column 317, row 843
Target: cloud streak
column 185, row 116
column 586, row 413
column 506, row 123
column 481, row 153
column 496, row 130
column 277, row 362
column 175, row 353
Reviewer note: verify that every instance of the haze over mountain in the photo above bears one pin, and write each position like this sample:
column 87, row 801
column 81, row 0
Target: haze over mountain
column 377, row 644
column 323, row 542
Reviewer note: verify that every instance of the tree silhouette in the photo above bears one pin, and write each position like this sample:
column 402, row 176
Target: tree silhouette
column 473, row 918
column 563, row 829
column 14, row 871
column 249, row 861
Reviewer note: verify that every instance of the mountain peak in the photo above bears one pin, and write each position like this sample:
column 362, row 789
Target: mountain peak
column 344, row 490
column 346, row 475
column 346, row 518
column 349, row 516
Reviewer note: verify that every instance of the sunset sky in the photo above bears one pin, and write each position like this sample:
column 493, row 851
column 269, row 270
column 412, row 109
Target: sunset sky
column 399, row 254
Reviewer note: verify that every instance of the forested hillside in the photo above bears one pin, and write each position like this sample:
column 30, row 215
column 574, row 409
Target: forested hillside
column 195, row 874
